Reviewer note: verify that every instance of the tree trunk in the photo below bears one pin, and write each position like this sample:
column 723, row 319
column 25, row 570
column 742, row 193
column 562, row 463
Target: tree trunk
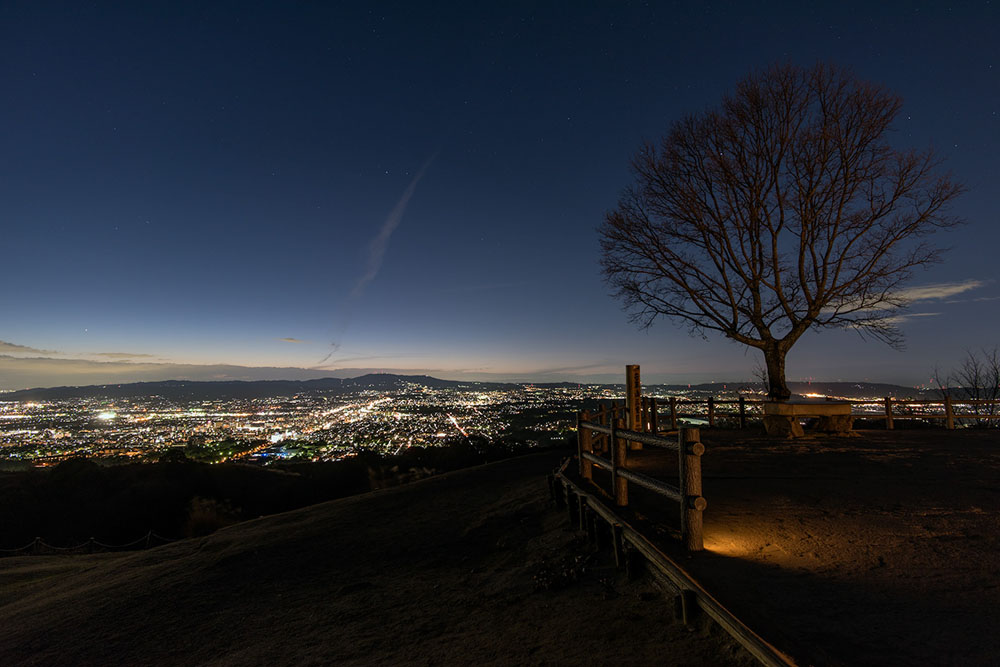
column 774, row 359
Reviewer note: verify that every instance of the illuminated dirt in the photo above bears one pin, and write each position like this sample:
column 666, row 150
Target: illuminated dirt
column 880, row 549
column 471, row 567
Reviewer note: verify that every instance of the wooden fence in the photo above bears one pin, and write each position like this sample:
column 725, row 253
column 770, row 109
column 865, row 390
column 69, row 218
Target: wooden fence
column 687, row 492
column 950, row 410
column 630, row 546
column 664, row 414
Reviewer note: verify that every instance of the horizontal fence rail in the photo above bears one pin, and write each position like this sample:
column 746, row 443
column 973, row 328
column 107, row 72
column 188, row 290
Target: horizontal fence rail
column 686, row 493
column 659, row 414
column 587, row 512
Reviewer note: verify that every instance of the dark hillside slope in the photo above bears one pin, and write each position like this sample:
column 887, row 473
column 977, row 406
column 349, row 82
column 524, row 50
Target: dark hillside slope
column 441, row 571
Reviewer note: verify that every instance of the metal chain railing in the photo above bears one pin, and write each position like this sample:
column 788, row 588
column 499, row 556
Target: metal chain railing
column 39, row 547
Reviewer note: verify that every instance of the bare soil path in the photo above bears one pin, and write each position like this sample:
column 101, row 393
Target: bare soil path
column 879, row 549
column 471, row 567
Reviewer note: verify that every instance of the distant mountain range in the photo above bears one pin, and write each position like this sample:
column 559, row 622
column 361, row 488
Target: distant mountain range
column 843, row 389
column 230, row 389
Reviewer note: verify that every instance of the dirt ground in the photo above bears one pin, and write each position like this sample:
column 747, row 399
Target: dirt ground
column 471, row 567
column 878, row 549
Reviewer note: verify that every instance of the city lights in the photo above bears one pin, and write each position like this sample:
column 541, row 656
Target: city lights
column 312, row 426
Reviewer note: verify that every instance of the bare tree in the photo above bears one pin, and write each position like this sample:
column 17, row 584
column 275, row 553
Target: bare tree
column 942, row 382
column 979, row 379
column 784, row 209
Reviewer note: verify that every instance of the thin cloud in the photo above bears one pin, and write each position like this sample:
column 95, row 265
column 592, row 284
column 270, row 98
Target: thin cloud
column 976, row 300
column 24, row 372
column 291, row 340
column 576, row 369
column 897, row 319
column 14, row 348
column 917, row 294
column 122, row 355
column 334, row 364
column 938, row 291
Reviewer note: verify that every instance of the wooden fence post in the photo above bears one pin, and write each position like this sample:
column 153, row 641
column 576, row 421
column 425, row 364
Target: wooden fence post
column 613, row 455
column 584, row 444
column 633, row 397
column 619, row 454
column 743, row 412
column 673, row 413
column 711, row 411
column 618, row 544
column 949, row 413
column 888, row 413
column 653, row 425
column 633, row 403
column 690, row 450
column 602, row 420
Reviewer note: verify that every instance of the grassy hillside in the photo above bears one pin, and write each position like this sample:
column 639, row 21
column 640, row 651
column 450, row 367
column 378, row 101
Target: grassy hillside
column 453, row 569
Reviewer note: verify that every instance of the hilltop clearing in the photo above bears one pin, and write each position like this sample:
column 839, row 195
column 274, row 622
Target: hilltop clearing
column 876, row 549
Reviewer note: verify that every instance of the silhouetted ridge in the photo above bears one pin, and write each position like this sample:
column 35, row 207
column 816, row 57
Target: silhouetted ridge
column 228, row 389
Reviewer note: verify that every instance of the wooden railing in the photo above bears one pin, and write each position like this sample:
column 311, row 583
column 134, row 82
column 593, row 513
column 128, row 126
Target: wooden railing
column 948, row 405
column 664, row 414
column 687, row 492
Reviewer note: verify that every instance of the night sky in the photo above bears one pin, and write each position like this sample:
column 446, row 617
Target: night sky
column 416, row 188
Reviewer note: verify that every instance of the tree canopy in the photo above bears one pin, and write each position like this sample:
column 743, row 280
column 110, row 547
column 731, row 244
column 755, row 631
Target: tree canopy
column 785, row 208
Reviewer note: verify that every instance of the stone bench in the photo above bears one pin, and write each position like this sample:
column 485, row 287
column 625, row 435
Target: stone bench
column 782, row 417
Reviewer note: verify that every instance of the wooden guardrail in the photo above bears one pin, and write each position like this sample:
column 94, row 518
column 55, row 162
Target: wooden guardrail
column 659, row 414
column 980, row 409
column 587, row 510
column 687, row 492
column 650, row 410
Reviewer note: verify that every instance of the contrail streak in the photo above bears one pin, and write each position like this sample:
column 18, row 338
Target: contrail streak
column 376, row 252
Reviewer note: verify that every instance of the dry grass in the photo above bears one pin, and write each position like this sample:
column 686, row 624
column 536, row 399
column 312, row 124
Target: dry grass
column 440, row 571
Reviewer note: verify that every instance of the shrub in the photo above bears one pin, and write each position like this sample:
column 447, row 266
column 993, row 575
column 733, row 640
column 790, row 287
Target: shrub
column 207, row 515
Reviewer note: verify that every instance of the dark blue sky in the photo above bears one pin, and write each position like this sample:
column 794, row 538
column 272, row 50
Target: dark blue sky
column 215, row 183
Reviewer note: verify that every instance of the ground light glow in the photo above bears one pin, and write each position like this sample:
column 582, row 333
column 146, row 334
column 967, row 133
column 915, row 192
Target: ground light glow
column 746, row 539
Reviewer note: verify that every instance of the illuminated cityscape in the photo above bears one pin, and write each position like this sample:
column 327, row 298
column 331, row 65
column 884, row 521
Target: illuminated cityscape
column 317, row 426
column 328, row 425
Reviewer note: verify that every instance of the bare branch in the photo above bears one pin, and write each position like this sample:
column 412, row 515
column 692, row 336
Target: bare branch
column 782, row 210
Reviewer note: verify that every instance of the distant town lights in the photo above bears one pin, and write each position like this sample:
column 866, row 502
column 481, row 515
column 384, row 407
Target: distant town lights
column 107, row 415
